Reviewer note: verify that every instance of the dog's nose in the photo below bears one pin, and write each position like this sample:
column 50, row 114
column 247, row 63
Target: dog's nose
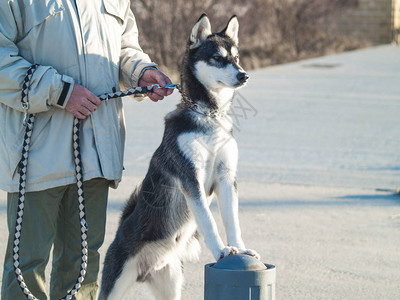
column 242, row 77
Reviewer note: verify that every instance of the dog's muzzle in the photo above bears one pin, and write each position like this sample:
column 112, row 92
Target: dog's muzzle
column 242, row 77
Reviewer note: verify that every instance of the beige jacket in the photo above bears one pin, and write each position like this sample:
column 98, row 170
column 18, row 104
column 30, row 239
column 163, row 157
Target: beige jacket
column 93, row 43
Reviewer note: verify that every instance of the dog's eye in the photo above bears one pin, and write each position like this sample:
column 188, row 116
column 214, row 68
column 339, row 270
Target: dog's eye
column 217, row 58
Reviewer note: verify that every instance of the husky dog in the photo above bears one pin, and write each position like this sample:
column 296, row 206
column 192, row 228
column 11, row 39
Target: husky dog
column 196, row 159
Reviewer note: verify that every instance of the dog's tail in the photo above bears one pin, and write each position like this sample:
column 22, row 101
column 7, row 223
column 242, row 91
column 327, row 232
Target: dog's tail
column 131, row 203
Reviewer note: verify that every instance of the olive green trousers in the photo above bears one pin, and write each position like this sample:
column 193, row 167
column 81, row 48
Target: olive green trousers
column 51, row 219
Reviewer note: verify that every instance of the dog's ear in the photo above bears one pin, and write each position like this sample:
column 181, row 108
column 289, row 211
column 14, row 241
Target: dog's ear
column 201, row 30
column 232, row 29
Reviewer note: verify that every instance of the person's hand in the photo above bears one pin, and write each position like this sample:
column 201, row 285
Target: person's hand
column 151, row 76
column 82, row 102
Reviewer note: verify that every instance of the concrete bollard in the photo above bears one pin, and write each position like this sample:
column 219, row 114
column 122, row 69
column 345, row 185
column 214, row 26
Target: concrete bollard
column 239, row 277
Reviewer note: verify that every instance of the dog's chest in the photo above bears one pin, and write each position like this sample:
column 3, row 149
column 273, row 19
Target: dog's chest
column 208, row 151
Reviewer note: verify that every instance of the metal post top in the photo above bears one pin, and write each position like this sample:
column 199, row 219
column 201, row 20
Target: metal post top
column 240, row 262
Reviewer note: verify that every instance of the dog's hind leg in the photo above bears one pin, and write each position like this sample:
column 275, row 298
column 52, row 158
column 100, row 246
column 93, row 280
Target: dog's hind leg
column 166, row 283
column 124, row 281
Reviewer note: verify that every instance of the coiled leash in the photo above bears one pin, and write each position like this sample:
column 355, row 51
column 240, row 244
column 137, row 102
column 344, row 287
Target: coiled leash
column 28, row 122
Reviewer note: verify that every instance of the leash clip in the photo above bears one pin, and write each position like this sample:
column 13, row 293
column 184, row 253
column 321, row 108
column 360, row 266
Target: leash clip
column 25, row 107
column 173, row 86
column 167, row 86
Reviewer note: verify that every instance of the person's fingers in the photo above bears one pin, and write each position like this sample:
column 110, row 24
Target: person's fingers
column 82, row 102
column 155, row 97
column 89, row 105
column 167, row 80
column 79, row 115
column 161, row 92
column 163, row 80
column 159, row 78
column 92, row 98
column 84, row 111
column 81, row 111
column 86, row 94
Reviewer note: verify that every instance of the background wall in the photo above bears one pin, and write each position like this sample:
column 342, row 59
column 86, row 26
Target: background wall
column 396, row 20
column 371, row 20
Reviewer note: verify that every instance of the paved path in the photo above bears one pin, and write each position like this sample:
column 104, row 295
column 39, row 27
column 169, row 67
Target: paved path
column 317, row 138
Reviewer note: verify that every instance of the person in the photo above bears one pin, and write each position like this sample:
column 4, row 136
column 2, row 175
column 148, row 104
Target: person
column 83, row 49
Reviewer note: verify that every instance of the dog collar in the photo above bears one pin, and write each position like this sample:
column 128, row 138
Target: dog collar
column 204, row 111
column 197, row 108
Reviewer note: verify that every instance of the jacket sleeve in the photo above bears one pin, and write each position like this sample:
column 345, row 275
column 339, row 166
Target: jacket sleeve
column 48, row 88
column 133, row 60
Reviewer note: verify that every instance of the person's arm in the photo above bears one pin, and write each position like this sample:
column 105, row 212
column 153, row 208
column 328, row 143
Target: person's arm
column 48, row 87
column 136, row 68
column 132, row 60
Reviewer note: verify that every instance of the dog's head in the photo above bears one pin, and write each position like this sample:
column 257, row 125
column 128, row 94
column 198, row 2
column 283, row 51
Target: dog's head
column 214, row 57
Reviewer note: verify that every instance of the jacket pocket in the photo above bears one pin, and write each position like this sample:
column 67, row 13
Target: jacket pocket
column 38, row 135
column 115, row 9
column 38, row 11
column 12, row 138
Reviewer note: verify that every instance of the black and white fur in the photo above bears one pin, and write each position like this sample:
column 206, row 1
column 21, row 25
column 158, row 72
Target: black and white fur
column 196, row 159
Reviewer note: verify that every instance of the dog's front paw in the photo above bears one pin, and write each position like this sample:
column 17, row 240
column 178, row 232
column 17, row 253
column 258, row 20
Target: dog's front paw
column 249, row 252
column 228, row 250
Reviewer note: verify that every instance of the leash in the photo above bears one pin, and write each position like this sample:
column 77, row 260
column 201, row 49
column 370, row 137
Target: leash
column 28, row 122
column 203, row 110
column 136, row 91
